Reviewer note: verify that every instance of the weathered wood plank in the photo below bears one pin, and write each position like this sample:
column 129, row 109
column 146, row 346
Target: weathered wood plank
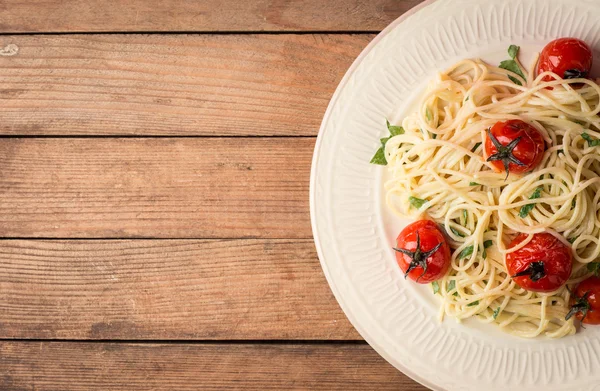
column 166, row 289
column 199, row 16
column 171, row 84
column 59, row 366
column 155, row 188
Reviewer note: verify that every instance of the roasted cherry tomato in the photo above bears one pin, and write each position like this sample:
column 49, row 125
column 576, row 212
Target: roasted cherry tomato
column 585, row 303
column 514, row 146
column 542, row 265
column 569, row 58
column 422, row 252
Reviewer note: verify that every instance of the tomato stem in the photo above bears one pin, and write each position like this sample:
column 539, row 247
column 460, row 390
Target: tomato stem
column 418, row 257
column 505, row 152
column 574, row 74
column 535, row 271
column 581, row 305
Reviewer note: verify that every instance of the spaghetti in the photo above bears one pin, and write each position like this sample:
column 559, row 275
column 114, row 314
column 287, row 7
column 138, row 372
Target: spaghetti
column 438, row 162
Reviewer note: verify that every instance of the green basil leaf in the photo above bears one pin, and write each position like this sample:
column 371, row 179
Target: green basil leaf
column 594, row 267
column 474, row 184
column 394, row 130
column 511, row 65
column 591, row 141
column 486, row 244
column 496, row 313
column 379, row 157
column 457, row 233
column 525, row 209
column 466, row 252
column 475, row 147
column 467, row 99
column 428, row 114
column 513, row 50
column 464, row 216
column 416, row 202
column 436, row 287
column 473, row 304
column 451, row 286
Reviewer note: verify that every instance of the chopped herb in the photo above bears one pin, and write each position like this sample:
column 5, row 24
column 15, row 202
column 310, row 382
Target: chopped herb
column 474, row 184
column 464, row 216
column 466, row 252
column 379, row 157
column 456, row 232
column 473, row 304
column 513, row 50
column 573, row 203
column 394, row 130
column 511, row 65
column 416, row 202
column 452, row 286
column 496, row 313
column 467, row 99
column 525, row 209
column 579, row 122
column 594, row 267
column 591, row 141
column 436, row 287
column 486, row 244
column 573, row 239
column 475, row 147
column 428, row 114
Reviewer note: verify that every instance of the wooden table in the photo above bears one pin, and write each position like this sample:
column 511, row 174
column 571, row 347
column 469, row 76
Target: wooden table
column 154, row 220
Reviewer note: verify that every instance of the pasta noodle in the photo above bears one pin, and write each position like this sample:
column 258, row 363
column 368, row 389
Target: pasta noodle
column 439, row 159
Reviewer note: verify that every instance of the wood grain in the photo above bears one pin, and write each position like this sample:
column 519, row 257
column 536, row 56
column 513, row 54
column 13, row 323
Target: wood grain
column 155, row 188
column 171, row 84
column 199, row 16
column 166, row 289
column 58, row 366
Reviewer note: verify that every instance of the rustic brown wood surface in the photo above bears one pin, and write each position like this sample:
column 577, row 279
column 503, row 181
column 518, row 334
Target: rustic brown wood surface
column 167, row 289
column 193, row 15
column 57, row 366
column 157, row 188
column 154, row 218
column 171, row 84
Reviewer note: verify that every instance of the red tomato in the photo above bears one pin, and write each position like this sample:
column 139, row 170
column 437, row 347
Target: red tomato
column 585, row 303
column 542, row 265
column 569, row 58
column 514, row 146
column 422, row 252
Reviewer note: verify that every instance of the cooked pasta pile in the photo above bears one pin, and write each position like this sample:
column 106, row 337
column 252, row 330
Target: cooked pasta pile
column 438, row 169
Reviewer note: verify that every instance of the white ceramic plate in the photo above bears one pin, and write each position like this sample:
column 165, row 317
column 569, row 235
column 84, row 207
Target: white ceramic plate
column 354, row 232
